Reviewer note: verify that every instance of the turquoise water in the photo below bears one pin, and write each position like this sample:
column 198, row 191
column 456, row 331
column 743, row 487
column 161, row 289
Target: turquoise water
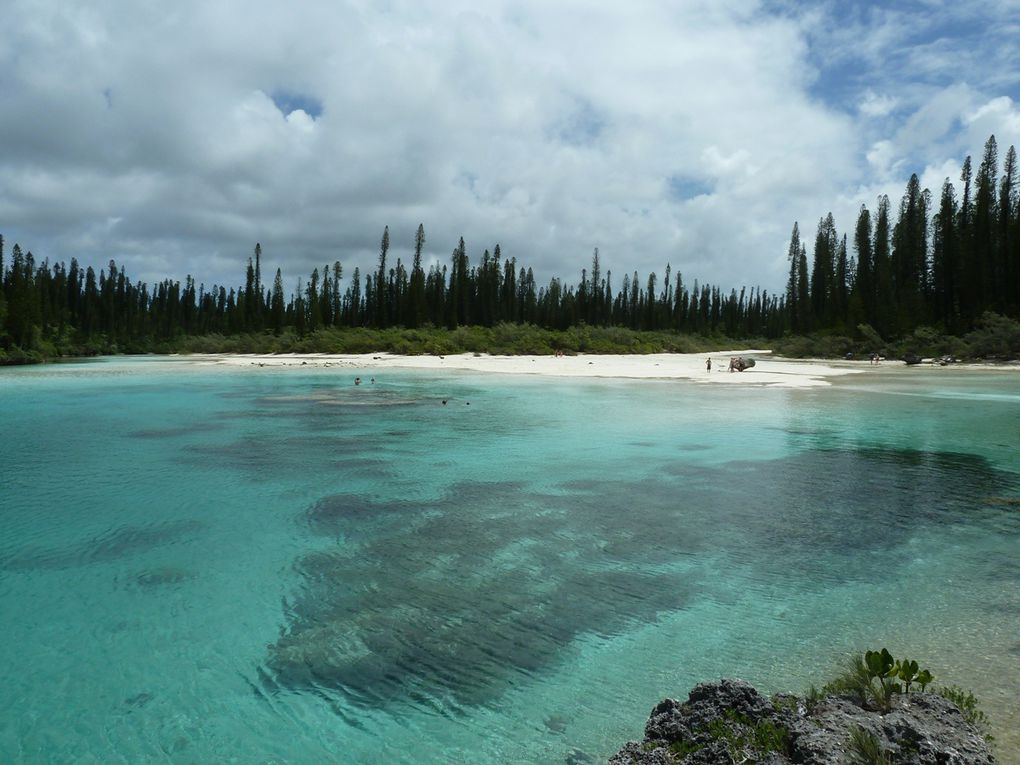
column 211, row 564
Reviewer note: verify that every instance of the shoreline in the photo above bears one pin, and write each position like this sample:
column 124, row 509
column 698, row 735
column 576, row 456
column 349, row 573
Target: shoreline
column 768, row 371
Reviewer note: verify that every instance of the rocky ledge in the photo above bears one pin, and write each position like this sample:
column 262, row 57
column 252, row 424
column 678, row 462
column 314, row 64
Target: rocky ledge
column 729, row 722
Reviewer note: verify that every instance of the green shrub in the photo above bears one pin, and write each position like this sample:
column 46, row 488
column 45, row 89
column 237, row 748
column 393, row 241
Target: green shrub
column 864, row 748
column 857, row 680
column 854, row 681
column 969, row 707
column 995, row 337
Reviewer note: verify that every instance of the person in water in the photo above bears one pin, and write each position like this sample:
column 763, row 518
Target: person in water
column 708, row 365
column 357, row 381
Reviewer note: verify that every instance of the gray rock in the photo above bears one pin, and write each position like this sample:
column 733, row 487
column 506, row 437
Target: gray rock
column 634, row 753
column 726, row 722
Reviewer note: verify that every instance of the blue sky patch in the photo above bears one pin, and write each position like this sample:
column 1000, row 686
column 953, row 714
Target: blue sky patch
column 683, row 187
column 582, row 125
column 289, row 101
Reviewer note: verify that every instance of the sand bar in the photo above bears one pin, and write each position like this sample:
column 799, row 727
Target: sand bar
column 767, row 371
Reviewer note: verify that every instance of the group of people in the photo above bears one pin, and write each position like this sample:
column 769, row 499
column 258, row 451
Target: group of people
column 737, row 364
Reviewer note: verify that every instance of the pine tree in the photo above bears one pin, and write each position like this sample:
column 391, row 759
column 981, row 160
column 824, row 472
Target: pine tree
column 416, row 300
column 1006, row 274
column 863, row 297
column 840, row 288
column 885, row 302
column 792, row 291
column 909, row 255
column 338, row 273
column 300, row 312
column 259, row 307
column 379, row 318
column 967, row 270
column 945, row 264
column 3, row 298
column 595, row 309
column 822, row 271
column 276, row 304
column 312, row 306
column 803, row 293
column 984, row 240
column 353, row 299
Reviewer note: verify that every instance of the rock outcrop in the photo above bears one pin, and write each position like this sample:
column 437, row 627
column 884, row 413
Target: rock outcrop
column 729, row 722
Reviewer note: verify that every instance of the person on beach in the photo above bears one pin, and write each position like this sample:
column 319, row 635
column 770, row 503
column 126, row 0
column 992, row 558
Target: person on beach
column 708, row 365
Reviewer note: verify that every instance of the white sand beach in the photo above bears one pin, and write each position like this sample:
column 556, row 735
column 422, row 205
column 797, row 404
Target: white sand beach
column 767, row 371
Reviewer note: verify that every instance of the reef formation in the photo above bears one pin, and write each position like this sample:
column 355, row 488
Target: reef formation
column 729, row 722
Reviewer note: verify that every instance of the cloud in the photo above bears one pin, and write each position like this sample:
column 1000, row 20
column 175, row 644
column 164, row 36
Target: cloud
column 874, row 105
column 691, row 133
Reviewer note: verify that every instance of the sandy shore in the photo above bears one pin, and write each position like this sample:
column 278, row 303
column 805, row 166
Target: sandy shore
column 669, row 366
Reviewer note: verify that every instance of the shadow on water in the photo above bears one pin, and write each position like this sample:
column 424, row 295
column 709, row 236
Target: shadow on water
column 177, row 431
column 261, row 459
column 441, row 604
column 111, row 546
column 825, row 513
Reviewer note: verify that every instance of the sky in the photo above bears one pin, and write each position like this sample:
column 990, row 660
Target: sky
column 171, row 137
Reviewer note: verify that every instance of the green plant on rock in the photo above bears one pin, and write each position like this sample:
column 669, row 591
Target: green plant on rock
column 882, row 666
column 854, row 681
column 907, row 672
column 924, row 677
column 682, row 748
column 857, row 682
column 748, row 741
column 864, row 748
column 858, row 679
column 969, row 707
column 813, row 697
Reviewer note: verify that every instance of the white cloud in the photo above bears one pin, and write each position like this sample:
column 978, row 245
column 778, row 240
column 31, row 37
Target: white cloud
column 875, row 105
column 999, row 116
column 882, row 158
column 551, row 128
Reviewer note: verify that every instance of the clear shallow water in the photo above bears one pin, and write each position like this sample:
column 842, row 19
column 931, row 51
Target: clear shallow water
column 205, row 564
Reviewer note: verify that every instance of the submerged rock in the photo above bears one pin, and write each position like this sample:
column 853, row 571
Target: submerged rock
column 729, row 722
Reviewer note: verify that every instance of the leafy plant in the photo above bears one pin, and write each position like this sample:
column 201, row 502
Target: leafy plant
column 858, row 679
column 907, row 672
column 924, row 678
column 881, row 665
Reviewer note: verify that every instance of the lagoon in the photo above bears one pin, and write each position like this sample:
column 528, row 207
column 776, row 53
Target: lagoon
column 206, row 563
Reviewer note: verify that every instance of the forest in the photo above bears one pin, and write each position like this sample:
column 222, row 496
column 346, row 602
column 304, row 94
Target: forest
column 929, row 276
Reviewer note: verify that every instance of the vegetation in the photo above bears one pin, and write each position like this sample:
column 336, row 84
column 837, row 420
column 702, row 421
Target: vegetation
column 857, row 681
column 745, row 740
column 710, row 726
column 865, row 749
column 934, row 281
column 969, row 707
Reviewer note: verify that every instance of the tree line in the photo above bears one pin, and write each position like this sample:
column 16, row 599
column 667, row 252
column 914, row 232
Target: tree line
column 943, row 267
